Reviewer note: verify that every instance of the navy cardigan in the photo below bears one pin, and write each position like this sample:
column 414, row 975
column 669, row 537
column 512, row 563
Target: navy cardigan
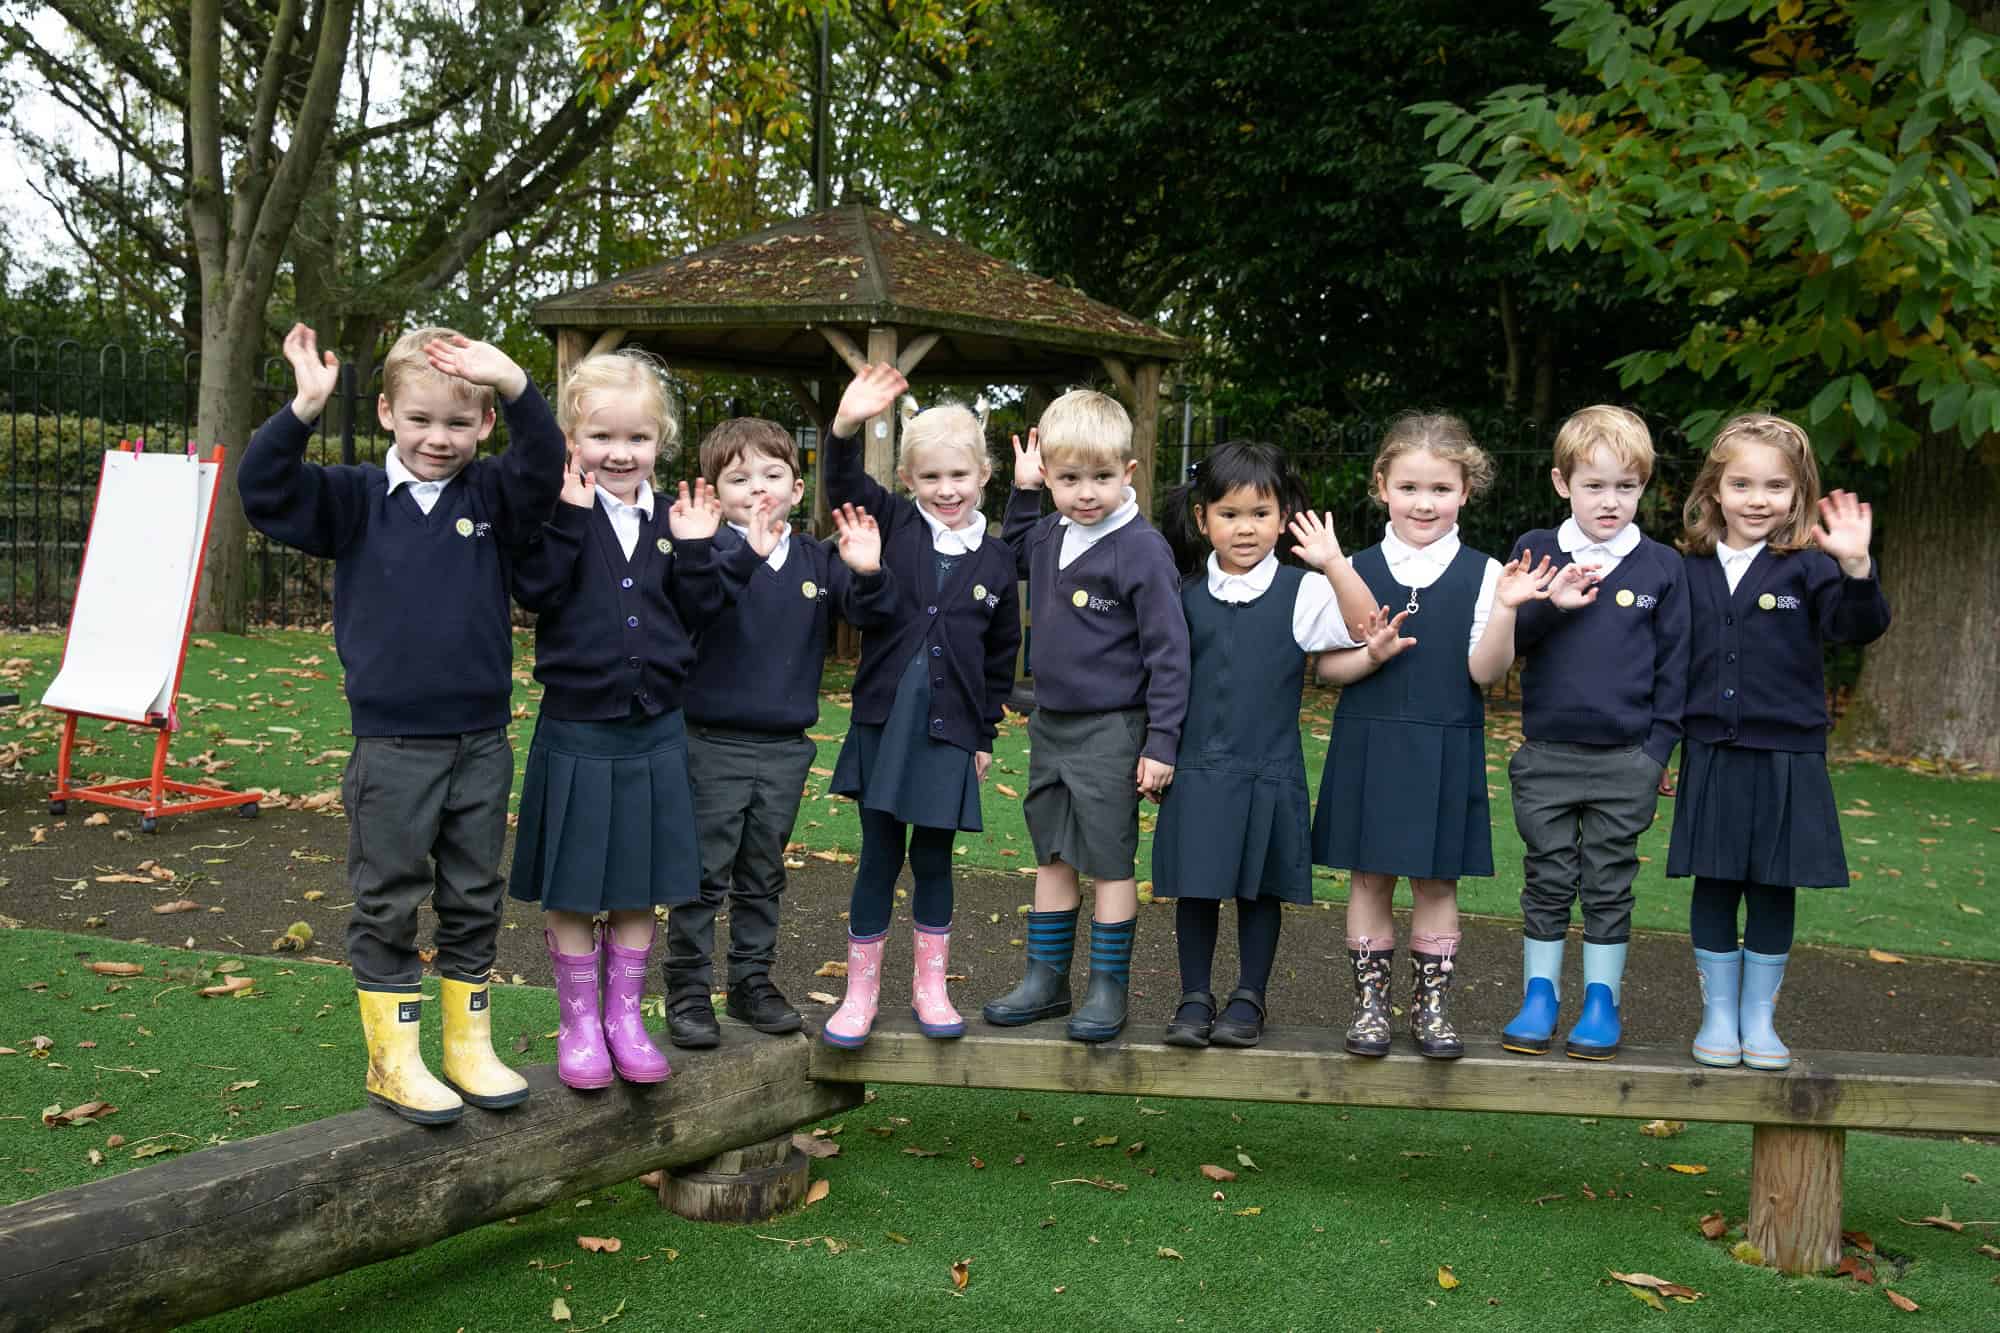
column 971, row 626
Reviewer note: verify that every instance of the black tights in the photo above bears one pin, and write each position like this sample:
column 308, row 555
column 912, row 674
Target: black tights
column 882, row 842
column 1767, row 920
column 1197, row 921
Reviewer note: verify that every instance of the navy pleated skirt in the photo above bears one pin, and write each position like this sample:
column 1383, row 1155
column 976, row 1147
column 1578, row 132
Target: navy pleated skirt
column 895, row 767
column 1233, row 835
column 1765, row 816
column 1404, row 798
column 607, row 817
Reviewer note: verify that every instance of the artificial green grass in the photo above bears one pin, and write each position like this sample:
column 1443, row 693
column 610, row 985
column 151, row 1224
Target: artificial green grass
column 1921, row 845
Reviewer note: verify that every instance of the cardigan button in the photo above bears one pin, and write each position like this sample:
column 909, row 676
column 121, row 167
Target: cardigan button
column 1729, row 620
column 931, row 609
column 1729, row 657
column 937, row 724
column 631, row 661
column 936, row 651
column 631, row 622
column 624, row 583
column 1730, row 734
column 937, row 680
column 1729, row 694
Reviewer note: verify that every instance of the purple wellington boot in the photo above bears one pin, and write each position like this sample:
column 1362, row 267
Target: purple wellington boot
column 632, row 1051
column 581, row 1060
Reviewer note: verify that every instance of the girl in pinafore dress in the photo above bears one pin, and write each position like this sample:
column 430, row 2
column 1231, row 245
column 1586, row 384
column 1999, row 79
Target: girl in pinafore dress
column 1235, row 821
column 1755, row 816
column 929, row 692
column 621, row 584
column 1404, row 789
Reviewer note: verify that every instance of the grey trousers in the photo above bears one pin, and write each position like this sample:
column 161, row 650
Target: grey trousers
column 1580, row 810
column 426, row 820
column 746, row 799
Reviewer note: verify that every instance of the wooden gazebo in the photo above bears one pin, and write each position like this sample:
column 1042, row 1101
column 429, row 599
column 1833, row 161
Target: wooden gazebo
column 811, row 300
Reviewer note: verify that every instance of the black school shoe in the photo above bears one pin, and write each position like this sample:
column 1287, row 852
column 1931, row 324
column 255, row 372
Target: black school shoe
column 691, row 1024
column 1236, row 1032
column 754, row 1000
column 1193, row 1030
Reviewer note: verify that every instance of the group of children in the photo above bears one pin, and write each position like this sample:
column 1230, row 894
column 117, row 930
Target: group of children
column 679, row 641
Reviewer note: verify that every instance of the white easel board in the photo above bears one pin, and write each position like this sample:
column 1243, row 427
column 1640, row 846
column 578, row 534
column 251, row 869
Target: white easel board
column 128, row 626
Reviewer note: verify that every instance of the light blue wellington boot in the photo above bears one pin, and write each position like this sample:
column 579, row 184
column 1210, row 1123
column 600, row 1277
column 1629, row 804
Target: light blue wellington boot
column 1530, row 1031
column 1595, row 1036
column 1721, row 978
column 1763, row 974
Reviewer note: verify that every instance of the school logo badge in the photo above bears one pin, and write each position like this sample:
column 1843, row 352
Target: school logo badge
column 1788, row 603
column 809, row 590
column 666, row 547
column 1626, row 597
column 1767, row 602
column 464, row 526
column 978, row 592
column 1079, row 599
column 1646, row 601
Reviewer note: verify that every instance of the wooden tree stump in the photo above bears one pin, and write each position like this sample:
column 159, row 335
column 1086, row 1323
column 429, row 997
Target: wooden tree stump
column 741, row 1185
column 1795, row 1179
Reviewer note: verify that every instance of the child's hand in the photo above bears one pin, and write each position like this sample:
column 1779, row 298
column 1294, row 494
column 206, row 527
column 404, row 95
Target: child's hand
column 315, row 371
column 1381, row 635
column 1843, row 532
column 697, row 516
column 579, row 487
column 1523, row 580
column 860, row 539
column 981, row 761
column 1317, row 544
column 1575, row 587
column 479, row 363
column 871, row 393
column 1153, row 778
column 1028, row 461
column 766, row 524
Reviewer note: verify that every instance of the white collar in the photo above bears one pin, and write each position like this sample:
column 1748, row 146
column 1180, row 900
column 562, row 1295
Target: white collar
column 953, row 541
column 1440, row 552
column 400, row 475
column 612, row 504
column 1241, row 587
column 1571, row 537
column 1729, row 555
column 1089, row 534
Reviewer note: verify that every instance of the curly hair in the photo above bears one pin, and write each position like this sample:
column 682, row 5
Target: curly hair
column 1437, row 433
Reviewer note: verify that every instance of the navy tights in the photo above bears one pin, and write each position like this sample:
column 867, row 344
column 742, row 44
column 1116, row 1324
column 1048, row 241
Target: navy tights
column 883, row 838
column 1767, row 917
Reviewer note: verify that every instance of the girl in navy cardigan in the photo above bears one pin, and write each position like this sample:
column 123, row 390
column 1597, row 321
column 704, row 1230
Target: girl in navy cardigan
column 621, row 584
column 1755, row 815
column 929, row 692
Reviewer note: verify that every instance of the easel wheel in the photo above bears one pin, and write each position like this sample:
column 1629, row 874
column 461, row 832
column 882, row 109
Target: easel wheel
column 148, row 824
column 247, row 811
column 58, row 807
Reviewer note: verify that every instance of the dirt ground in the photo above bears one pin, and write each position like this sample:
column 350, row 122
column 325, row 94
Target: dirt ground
column 251, row 878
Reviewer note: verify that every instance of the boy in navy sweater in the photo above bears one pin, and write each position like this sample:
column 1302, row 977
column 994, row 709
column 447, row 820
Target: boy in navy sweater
column 422, row 627
column 753, row 693
column 1110, row 661
column 1601, row 699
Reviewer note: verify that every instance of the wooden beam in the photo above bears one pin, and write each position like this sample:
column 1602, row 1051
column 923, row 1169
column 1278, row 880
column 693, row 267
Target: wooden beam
column 210, row 1230
column 1145, row 395
column 1120, row 376
column 608, row 341
column 572, row 345
column 803, row 393
column 910, row 357
column 845, row 347
column 879, row 436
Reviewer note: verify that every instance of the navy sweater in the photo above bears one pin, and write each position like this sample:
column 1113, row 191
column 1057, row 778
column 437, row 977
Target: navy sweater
column 1109, row 629
column 970, row 627
column 757, row 668
column 1614, row 672
column 1756, row 675
column 420, row 616
column 614, row 637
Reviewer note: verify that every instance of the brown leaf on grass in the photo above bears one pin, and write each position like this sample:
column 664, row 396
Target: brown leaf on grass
column 1990, row 1251
column 1901, row 1302
column 1135, row 1147
column 601, row 1244
column 1856, row 1268
column 1659, row 1284
column 819, row 1190
column 1860, row 1240
column 1007, row 791
column 1105, row 1141
column 559, row 1311
column 1446, row 1278
column 1942, row 1222
column 97, row 820
column 123, row 879
column 523, row 1042
column 821, row 997
column 1878, row 956
column 914, row 1151
column 1662, row 1129
column 1743, row 1252
column 831, row 969
column 229, row 986
column 115, row 1141
column 1687, row 1169
column 1713, row 1225
column 178, row 905
column 1164, row 1253
column 56, row 1118
column 118, row 969
column 813, row 1147
column 651, row 1180
column 977, row 1163
column 1220, row 1174
column 1650, row 1297
column 154, row 1149
column 961, row 1273
column 1970, row 1179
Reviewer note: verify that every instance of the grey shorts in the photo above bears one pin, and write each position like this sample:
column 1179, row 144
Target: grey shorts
column 1083, row 796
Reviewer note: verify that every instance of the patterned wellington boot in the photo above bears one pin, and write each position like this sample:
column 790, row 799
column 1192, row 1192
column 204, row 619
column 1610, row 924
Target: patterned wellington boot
column 581, row 1059
column 397, row 1078
column 1530, row 1031
column 1101, row 1016
column 471, row 1069
column 1721, row 977
column 1763, row 974
column 1368, row 1034
column 632, row 1051
column 852, row 1022
column 1430, row 1024
column 928, row 998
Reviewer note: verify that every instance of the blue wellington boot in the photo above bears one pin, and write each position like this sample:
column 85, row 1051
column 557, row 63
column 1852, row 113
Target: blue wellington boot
column 1721, row 980
column 1595, row 1036
column 1763, row 974
column 1530, row 1031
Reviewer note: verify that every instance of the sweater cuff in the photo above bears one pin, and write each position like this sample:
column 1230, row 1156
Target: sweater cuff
column 569, row 517
column 1660, row 745
column 1161, row 747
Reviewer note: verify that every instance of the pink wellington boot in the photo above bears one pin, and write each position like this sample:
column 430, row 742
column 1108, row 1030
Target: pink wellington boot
column 632, row 1051
column 852, row 1022
column 581, row 1060
column 928, row 997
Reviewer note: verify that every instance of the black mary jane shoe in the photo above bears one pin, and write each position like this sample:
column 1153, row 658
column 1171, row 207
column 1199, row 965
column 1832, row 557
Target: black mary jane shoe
column 691, row 1024
column 1233, row 1032
column 1192, row 1032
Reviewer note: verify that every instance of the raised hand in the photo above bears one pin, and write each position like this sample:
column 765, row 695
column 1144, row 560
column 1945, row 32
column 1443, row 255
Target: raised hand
column 1028, row 461
column 315, row 371
column 1523, row 580
column 1381, row 634
column 860, row 539
column 766, row 527
column 1575, row 587
column 696, row 516
column 871, row 393
column 1846, row 525
column 1317, row 544
column 479, row 363
column 1154, row 778
column 579, row 487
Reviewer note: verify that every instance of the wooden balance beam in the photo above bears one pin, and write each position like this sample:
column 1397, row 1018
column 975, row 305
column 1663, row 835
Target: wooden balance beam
column 1801, row 1117
column 211, row 1230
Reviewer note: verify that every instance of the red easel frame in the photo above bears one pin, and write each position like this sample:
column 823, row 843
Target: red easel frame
column 157, row 786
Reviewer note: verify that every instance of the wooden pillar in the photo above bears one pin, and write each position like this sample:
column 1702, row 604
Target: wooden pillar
column 572, row 345
column 1141, row 386
column 878, row 450
column 1795, row 1180
column 741, row 1185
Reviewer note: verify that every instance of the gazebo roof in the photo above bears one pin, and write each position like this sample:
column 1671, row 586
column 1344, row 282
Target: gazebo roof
column 751, row 304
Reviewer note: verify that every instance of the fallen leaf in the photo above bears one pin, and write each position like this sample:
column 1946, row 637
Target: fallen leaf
column 1105, row 1141
column 1856, row 1268
column 1649, row 1296
column 819, row 1190
column 831, row 969
column 1876, row 955
column 1662, row 1129
column 1135, row 1147
column 154, row 1149
column 1901, row 1302
column 97, row 820
column 895, row 1238
column 522, row 1043
column 1990, row 1251
column 1860, row 1240
column 1687, row 1169
column 1661, row 1285
column 601, row 1244
column 961, row 1273
column 821, row 997
column 1942, row 1222
column 559, row 1311
column 813, row 1147
column 118, row 969
column 56, row 1118
column 1164, row 1253
column 1743, row 1252
column 1970, row 910
column 242, row 1085
column 914, row 1151
column 96, row 1157
column 229, row 986
column 1220, row 1174
column 1007, row 791
column 1446, row 1278
column 178, row 905
column 1243, row 1159
column 1970, row 1179
column 1713, row 1225
column 123, row 879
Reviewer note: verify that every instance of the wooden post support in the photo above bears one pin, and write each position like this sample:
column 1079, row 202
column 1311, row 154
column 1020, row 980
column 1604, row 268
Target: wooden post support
column 878, row 448
column 572, row 345
column 742, row 1185
column 608, row 341
column 1795, row 1179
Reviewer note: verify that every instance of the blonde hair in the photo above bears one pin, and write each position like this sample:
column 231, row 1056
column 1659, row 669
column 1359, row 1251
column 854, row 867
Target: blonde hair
column 406, row 364
column 1086, row 427
column 1620, row 433
column 1437, row 433
column 946, row 426
column 625, row 371
column 1702, row 523
column 747, row 437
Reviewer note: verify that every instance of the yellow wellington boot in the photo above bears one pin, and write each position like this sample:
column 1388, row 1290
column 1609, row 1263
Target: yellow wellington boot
column 396, row 1075
column 470, row 1067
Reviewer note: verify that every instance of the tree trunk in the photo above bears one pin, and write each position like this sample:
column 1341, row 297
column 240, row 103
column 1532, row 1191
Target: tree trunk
column 1931, row 685
column 225, row 412
column 1510, row 334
